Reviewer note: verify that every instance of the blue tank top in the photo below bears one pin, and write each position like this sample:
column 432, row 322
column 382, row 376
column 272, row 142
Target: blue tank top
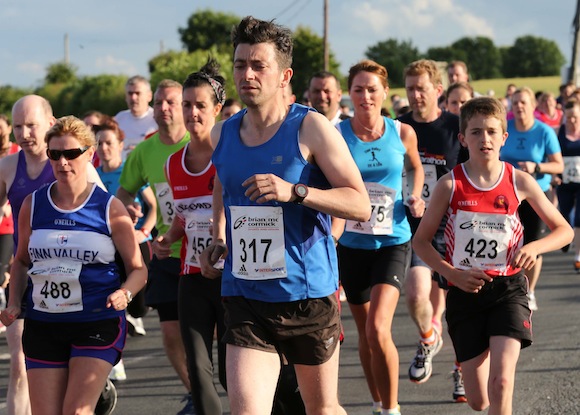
column 309, row 255
column 381, row 163
column 22, row 186
column 73, row 267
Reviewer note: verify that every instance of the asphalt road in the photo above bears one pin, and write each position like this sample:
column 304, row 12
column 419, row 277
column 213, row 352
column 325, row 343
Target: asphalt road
column 548, row 375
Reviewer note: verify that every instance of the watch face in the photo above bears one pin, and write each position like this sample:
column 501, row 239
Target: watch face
column 301, row 190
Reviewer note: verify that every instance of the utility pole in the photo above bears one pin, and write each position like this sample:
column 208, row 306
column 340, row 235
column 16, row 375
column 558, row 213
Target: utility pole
column 66, row 49
column 576, row 48
column 326, row 66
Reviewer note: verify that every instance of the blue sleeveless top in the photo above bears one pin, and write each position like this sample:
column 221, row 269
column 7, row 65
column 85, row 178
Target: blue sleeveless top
column 22, row 186
column 381, row 161
column 309, row 254
column 73, row 267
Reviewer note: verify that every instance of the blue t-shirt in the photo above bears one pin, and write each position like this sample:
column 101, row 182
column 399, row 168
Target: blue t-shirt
column 535, row 145
column 111, row 181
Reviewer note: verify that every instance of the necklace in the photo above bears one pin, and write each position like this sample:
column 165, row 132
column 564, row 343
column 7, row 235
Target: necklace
column 370, row 130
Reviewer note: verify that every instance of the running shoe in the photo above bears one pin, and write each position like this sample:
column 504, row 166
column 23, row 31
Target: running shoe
column 118, row 372
column 188, row 409
column 377, row 411
column 135, row 326
column 577, row 266
column 532, row 303
column 458, row 389
column 107, row 400
column 421, row 366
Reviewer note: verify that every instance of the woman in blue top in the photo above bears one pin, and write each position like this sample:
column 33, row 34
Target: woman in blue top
column 532, row 147
column 373, row 256
column 75, row 328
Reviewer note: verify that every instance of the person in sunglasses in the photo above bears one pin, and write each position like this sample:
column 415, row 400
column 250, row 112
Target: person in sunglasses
column 75, row 325
column 21, row 174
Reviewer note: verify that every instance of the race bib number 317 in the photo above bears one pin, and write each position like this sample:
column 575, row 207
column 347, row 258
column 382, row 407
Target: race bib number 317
column 258, row 251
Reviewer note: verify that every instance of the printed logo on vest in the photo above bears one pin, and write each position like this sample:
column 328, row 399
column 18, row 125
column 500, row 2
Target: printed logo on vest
column 465, row 263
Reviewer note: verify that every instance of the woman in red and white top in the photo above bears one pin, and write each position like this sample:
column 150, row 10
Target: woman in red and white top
column 190, row 174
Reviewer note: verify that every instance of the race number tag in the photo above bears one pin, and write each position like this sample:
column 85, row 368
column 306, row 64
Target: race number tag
column 258, row 251
column 382, row 205
column 481, row 240
column 165, row 202
column 428, row 186
column 197, row 213
column 571, row 173
column 56, row 287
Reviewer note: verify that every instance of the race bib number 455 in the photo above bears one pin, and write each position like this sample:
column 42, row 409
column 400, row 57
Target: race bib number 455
column 258, row 251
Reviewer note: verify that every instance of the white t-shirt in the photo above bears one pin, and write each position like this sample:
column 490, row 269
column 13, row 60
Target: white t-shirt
column 135, row 128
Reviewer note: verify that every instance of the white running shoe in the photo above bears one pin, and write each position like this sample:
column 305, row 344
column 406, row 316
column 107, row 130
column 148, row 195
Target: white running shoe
column 135, row 326
column 118, row 372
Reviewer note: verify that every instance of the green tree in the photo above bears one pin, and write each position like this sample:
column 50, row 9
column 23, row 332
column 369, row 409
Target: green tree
column 308, row 58
column 8, row 96
column 445, row 54
column 178, row 65
column 532, row 56
column 105, row 93
column 394, row 55
column 206, row 28
column 481, row 56
column 60, row 73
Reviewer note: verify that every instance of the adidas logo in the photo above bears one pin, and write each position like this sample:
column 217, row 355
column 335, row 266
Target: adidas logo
column 43, row 304
column 358, row 225
column 465, row 263
column 242, row 270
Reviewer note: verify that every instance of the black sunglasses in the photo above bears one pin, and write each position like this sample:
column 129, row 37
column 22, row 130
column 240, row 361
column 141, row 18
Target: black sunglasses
column 70, row 154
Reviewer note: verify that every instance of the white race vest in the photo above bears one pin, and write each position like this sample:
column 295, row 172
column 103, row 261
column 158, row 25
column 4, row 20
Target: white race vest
column 258, row 249
column 382, row 205
column 56, row 287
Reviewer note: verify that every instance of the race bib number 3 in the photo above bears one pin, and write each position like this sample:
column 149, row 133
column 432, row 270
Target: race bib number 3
column 165, row 202
column 258, row 251
column 382, row 204
column 56, row 286
column 428, row 186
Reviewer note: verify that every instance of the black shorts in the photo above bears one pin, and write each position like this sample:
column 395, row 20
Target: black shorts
column 533, row 225
column 439, row 245
column 499, row 309
column 168, row 311
column 52, row 345
column 163, row 281
column 361, row 269
column 306, row 332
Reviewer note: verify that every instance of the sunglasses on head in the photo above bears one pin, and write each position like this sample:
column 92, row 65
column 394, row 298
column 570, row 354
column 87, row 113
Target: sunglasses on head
column 70, row 154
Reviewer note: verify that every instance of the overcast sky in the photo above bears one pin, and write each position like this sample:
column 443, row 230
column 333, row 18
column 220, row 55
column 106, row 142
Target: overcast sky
column 120, row 36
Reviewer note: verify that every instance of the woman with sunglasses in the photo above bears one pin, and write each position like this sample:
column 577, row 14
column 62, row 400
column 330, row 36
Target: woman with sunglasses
column 75, row 327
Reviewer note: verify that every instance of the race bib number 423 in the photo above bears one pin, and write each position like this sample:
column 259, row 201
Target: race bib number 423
column 258, row 251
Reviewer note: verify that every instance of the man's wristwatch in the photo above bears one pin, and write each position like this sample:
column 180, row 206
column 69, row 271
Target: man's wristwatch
column 300, row 192
column 128, row 295
column 537, row 169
